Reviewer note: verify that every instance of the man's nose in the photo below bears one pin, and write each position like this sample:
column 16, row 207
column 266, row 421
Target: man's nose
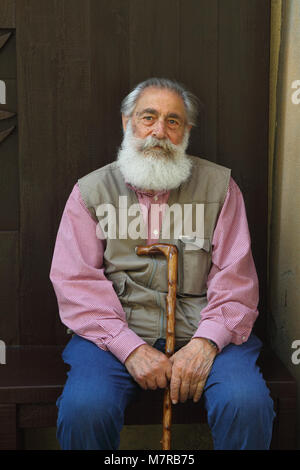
column 159, row 129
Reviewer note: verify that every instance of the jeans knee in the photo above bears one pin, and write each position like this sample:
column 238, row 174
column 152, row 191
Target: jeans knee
column 241, row 415
column 88, row 424
column 86, row 412
column 249, row 403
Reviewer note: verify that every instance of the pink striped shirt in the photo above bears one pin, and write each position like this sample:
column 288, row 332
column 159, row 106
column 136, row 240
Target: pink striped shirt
column 87, row 301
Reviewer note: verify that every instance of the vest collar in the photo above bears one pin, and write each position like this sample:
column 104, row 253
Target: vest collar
column 143, row 192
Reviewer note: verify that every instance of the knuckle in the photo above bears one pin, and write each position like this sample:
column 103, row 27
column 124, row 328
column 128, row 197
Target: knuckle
column 141, row 377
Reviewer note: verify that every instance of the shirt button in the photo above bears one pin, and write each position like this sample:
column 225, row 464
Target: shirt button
column 155, row 232
column 155, row 198
column 244, row 338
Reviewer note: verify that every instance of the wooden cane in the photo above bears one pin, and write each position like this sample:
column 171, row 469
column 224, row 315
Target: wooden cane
column 171, row 253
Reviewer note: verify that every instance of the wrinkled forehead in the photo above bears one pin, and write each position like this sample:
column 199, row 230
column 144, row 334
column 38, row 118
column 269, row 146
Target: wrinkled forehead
column 161, row 102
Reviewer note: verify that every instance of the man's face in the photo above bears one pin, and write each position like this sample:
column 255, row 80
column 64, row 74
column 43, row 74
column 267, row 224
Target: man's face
column 152, row 155
column 159, row 113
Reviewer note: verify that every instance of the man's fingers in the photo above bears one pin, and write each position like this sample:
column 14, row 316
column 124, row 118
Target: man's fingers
column 196, row 385
column 169, row 372
column 149, row 367
column 192, row 389
column 162, row 381
column 184, row 391
column 174, row 388
column 198, row 392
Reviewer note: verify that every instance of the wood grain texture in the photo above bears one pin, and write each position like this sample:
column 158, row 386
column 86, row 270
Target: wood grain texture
column 53, row 89
column 9, row 183
column 198, row 68
column 8, row 63
column 8, row 14
column 109, row 44
column 9, row 282
column 8, row 427
column 71, row 82
column 9, row 164
column 154, row 39
column 243, row 82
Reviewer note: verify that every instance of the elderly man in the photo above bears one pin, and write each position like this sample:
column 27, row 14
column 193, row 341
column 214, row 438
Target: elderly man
column 113, row 300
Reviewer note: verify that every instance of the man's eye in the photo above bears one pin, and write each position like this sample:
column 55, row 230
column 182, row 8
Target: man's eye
column 173, row 123
column 148, row 118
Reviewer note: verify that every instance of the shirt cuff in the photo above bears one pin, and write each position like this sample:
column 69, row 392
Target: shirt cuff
column 215, row 331
column 124, row 343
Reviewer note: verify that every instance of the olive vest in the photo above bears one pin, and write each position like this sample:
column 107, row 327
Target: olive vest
column 189, row 221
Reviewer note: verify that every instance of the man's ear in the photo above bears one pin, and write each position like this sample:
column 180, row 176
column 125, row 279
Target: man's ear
column 125, row 120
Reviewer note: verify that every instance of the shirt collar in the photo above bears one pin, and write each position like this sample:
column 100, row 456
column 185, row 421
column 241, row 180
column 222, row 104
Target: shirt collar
column 143, row 192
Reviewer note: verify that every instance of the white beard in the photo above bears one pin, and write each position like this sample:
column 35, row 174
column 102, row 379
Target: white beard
column 151, row 168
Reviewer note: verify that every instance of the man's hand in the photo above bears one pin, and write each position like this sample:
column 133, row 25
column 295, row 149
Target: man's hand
column 149, row 367
column 191, row 366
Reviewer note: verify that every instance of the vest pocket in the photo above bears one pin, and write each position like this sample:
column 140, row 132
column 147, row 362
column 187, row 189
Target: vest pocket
column 196, row 266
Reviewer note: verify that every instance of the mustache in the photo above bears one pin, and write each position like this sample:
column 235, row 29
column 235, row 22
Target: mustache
column 150, row 142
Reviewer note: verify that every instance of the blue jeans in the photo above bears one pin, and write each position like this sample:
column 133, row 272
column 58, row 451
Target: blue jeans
column 98, row 389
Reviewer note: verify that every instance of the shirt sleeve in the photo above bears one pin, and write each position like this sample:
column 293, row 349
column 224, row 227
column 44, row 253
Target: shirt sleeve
column 87, row 301
column 232, row 285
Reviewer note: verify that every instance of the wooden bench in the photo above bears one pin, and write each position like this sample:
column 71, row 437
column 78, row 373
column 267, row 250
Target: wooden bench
column 33, row 378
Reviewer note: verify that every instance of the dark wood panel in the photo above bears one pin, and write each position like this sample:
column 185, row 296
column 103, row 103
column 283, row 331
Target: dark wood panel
column 199, row 69
column 53, row 87
column 8, row 431
column 37, row 416
column 243, row 115
column 7, row 14
column 9, row 164
column 154, row 39
column 9, row 175
column 109, row 32
column 9, row 169
column 8, row 65
column 71, row 81
column 163, row 42
column 9, row 282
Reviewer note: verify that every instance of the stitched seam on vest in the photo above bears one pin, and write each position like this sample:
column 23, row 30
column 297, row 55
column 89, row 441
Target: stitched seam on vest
column 161, row 319
column 153, row 272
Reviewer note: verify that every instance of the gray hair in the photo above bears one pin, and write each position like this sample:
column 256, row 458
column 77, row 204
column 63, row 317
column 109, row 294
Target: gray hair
column 190, row 101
